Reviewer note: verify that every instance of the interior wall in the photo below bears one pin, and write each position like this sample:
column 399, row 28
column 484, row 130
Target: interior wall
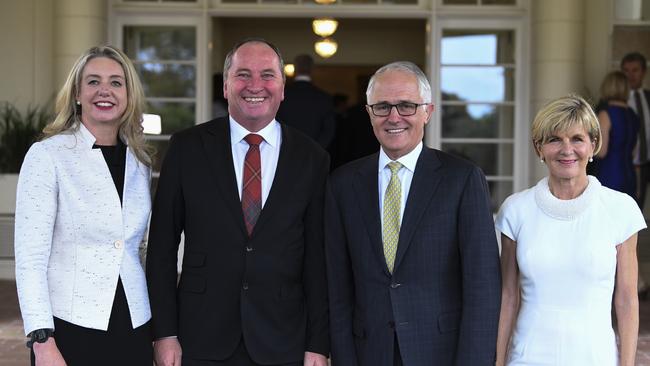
column 361, row 41
column 362, row 46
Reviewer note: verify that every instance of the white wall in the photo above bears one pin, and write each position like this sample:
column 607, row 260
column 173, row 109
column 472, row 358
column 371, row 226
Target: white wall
column 26, row 38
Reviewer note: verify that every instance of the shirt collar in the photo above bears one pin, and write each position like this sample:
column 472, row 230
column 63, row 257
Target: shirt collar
column 409, row 161
column 269, row 133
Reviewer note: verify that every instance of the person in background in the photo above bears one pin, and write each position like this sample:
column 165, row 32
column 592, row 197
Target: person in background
column 634, row 67
column 568, row 249
column 619, row 128
column 247, row 193
column 82, row 210
column 412, row 256
column 354, row 135
column 306, row 107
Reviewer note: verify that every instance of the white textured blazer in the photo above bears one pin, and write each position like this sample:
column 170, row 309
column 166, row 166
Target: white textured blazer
column 72, row 237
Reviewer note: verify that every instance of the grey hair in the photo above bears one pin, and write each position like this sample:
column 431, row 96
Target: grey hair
column 405, row 66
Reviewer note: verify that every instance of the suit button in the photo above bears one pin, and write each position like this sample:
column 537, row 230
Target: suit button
column 391, row 324
column 249, row 249
column 395, row 285
column 118, row 244
column 245, row 286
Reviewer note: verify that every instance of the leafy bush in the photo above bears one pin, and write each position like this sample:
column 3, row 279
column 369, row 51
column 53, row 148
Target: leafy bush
column 17, row 133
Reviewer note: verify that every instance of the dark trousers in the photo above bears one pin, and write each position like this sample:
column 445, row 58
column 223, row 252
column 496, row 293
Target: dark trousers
column 643, row 181
column 119, row 345
column 239, row 358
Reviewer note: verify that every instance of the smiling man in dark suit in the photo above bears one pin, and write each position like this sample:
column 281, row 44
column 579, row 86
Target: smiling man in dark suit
column 413, row 266
column 247, row 192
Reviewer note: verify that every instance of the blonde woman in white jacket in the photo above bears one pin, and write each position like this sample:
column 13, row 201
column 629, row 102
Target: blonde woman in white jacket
column 82, row 210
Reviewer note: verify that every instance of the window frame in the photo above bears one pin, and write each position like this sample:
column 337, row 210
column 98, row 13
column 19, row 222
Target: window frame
column 520, row 137
column 116, row 36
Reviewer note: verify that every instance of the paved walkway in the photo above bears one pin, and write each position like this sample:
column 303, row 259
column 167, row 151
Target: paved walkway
column 14, row 353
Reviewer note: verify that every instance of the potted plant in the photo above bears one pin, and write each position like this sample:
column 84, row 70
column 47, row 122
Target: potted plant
column 18, row 130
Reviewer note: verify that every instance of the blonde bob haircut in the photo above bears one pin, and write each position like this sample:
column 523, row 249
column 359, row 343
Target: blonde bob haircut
column 614, row 87
column 68, row 114
column 562, row 114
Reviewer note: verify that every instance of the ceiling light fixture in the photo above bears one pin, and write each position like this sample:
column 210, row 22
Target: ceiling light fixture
column 289, row 70
column 326, row 47
column 324, row 27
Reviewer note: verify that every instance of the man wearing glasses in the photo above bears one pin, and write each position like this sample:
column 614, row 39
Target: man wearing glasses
column 413, row 266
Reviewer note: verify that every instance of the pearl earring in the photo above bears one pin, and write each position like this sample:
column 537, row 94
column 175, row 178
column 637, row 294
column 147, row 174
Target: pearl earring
column 541, row 160
column 591, row 159
column 78, row 102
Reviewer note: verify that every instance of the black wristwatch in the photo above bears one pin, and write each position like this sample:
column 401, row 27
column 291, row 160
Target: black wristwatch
column 39, row 336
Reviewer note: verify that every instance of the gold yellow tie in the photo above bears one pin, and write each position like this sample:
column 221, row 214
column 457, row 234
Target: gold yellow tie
column 392, row 203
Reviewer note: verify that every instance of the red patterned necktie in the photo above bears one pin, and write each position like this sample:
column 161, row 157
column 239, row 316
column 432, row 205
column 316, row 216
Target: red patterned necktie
column 251, row 197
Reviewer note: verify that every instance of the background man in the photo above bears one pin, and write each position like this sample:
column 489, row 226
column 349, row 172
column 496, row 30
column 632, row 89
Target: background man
column 413, row 263
column 247, row 193
column 306, row 107
column 634, row 66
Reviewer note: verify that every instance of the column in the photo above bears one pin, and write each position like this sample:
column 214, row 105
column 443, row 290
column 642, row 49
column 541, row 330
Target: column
column 78, row 25
column 557, row 57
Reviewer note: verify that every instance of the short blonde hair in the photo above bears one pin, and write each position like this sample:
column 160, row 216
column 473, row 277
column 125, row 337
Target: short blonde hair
column 614, row 87
column 562, row 114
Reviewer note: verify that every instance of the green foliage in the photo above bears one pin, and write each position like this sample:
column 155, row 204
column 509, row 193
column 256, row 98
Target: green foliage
column 18, row 131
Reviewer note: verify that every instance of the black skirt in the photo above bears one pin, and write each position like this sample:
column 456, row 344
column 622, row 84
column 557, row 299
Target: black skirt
column 119, row 345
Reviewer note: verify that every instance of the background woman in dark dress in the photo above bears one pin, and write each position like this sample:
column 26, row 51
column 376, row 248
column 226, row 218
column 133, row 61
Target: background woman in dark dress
column 82, row 210
column 620, row 127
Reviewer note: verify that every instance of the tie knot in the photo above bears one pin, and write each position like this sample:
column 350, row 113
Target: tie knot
column 394, row 167
column 253, row 139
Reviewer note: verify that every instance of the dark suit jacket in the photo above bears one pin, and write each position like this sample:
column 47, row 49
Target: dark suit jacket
column 443, row 298
column 270, row 288
column 310, row 110
column 645, row 168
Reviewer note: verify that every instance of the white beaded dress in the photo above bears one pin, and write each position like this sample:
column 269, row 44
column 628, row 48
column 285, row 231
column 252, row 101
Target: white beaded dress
column 566, row 253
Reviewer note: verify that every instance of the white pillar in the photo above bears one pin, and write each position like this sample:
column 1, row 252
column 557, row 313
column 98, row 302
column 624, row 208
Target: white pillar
column 558, row 51
column 598, row 44
column 78, row 25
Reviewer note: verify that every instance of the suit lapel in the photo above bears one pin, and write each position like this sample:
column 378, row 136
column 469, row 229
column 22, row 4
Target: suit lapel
column 423, row 186
column 283, row 181
column 216, row 143
column 365, row 188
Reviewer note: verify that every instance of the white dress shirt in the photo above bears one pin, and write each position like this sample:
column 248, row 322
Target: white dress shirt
column 409, row 161
column 269, row 153
column 646, row 114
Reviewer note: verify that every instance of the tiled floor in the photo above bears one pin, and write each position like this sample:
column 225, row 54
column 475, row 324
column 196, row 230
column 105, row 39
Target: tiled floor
column 14, row 353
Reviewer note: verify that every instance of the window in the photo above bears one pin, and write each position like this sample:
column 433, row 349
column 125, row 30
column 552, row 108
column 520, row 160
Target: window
column 478, row 102
column 165, row 58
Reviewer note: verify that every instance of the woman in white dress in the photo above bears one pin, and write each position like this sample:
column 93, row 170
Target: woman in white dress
column 568, row 246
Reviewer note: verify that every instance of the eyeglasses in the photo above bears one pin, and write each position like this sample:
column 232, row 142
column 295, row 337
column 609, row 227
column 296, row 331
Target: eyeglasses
column 403, row 109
